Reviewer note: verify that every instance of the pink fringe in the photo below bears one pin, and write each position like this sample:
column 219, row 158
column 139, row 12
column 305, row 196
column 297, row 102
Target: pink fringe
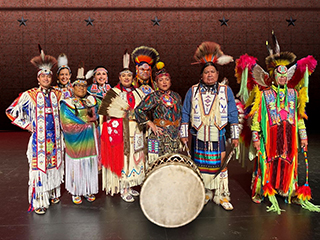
column 309, row 61
column 245, row 61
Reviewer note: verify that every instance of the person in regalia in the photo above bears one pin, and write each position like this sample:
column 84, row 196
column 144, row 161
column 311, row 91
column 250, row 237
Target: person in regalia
column 209, row 107
column 100, row 85
column 122, row 140
column 145, row 59
column 64, row 76
column 37, row 110
column 275, row 101
column 165, row 106
column 79, row 121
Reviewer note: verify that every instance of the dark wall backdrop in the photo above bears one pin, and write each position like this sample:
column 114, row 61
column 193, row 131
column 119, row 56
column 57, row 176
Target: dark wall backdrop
column 60, row 26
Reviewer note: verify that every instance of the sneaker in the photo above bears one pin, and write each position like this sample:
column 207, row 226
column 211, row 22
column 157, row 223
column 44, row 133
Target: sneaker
column 296, row 200
column 55, row 200
column 90, row 197
column 133, row 192
column 40, row 211
column 226, row 204
column 257, row 198
column 76, row 200
column 127, row 197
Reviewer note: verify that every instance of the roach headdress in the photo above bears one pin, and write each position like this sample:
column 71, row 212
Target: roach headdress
column 145, row 54
column 211, row 52
column 43, row 62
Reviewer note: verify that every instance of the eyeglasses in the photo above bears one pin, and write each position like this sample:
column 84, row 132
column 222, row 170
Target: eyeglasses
column 80, row 86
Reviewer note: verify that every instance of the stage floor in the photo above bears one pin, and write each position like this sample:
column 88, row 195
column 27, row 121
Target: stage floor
column 112, row 218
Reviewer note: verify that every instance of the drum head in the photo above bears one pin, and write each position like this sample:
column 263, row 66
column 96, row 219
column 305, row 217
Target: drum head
column 172, row 196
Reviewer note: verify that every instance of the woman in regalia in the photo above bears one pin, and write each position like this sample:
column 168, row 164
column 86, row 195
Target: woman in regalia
column 122, row 140
column 63, row 77
column 79, row 120
column 100, row 84
column 165, row 106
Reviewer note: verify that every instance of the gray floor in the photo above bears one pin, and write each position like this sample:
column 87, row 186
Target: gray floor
column 111, row 218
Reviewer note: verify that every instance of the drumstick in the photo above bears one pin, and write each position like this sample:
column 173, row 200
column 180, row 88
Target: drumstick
column 224, row 165
column 187, row 149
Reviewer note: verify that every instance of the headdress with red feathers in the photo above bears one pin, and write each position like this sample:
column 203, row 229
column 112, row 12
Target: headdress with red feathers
column 145, row 54
column 249, row 74
column 211, row 52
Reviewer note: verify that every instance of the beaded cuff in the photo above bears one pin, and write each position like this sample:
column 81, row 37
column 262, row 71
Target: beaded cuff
column 234, row 130
column 255, row 136
column 184, row 130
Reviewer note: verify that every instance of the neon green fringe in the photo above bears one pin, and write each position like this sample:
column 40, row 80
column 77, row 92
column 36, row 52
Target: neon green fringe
column 274, row 205
column 309, row 206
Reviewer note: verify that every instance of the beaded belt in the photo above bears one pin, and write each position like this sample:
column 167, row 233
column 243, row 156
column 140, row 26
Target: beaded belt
column 164, row 123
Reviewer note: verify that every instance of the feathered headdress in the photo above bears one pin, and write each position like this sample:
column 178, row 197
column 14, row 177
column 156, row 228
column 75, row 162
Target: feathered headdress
column 211, row 52
column 92, row 72
column 161, row 70
column 145, row 54
column 62, row 63
column 81, row 79
column 277, row 58
column 250, row 74
column 125, row 62
column 43, row 62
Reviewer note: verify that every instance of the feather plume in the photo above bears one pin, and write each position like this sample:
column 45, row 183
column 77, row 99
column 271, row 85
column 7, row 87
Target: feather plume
column 43, row 62
column 126, row 59
column 224, row 59
column 89, row 74
column 259, row 75
column 62, row 60
column 41, row 52
column 302, row 102
column 80, row 74
column 269, row 49
column 275, row 42
column 243, row 62
column 291, row 71
column 208, row 52
column 256, row 97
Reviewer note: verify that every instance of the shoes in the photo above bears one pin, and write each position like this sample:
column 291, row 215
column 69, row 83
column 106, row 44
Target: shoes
column 257, row 198
column 226, row 204
column 90, row 197
column 133, row 192
column 127, row 197
column 208, row 196
column 76, row 200
column 55, row 200
column 296, row 200
column 40, row 211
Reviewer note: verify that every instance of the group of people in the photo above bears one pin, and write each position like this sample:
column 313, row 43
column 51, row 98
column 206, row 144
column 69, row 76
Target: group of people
column 79, row 130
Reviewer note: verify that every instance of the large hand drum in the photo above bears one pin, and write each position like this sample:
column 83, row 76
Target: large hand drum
column 173, row 193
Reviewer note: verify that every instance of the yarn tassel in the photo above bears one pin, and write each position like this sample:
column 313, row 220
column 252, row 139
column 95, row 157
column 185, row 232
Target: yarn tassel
column 274, row 205
column 304, row 192
column 269, row 191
